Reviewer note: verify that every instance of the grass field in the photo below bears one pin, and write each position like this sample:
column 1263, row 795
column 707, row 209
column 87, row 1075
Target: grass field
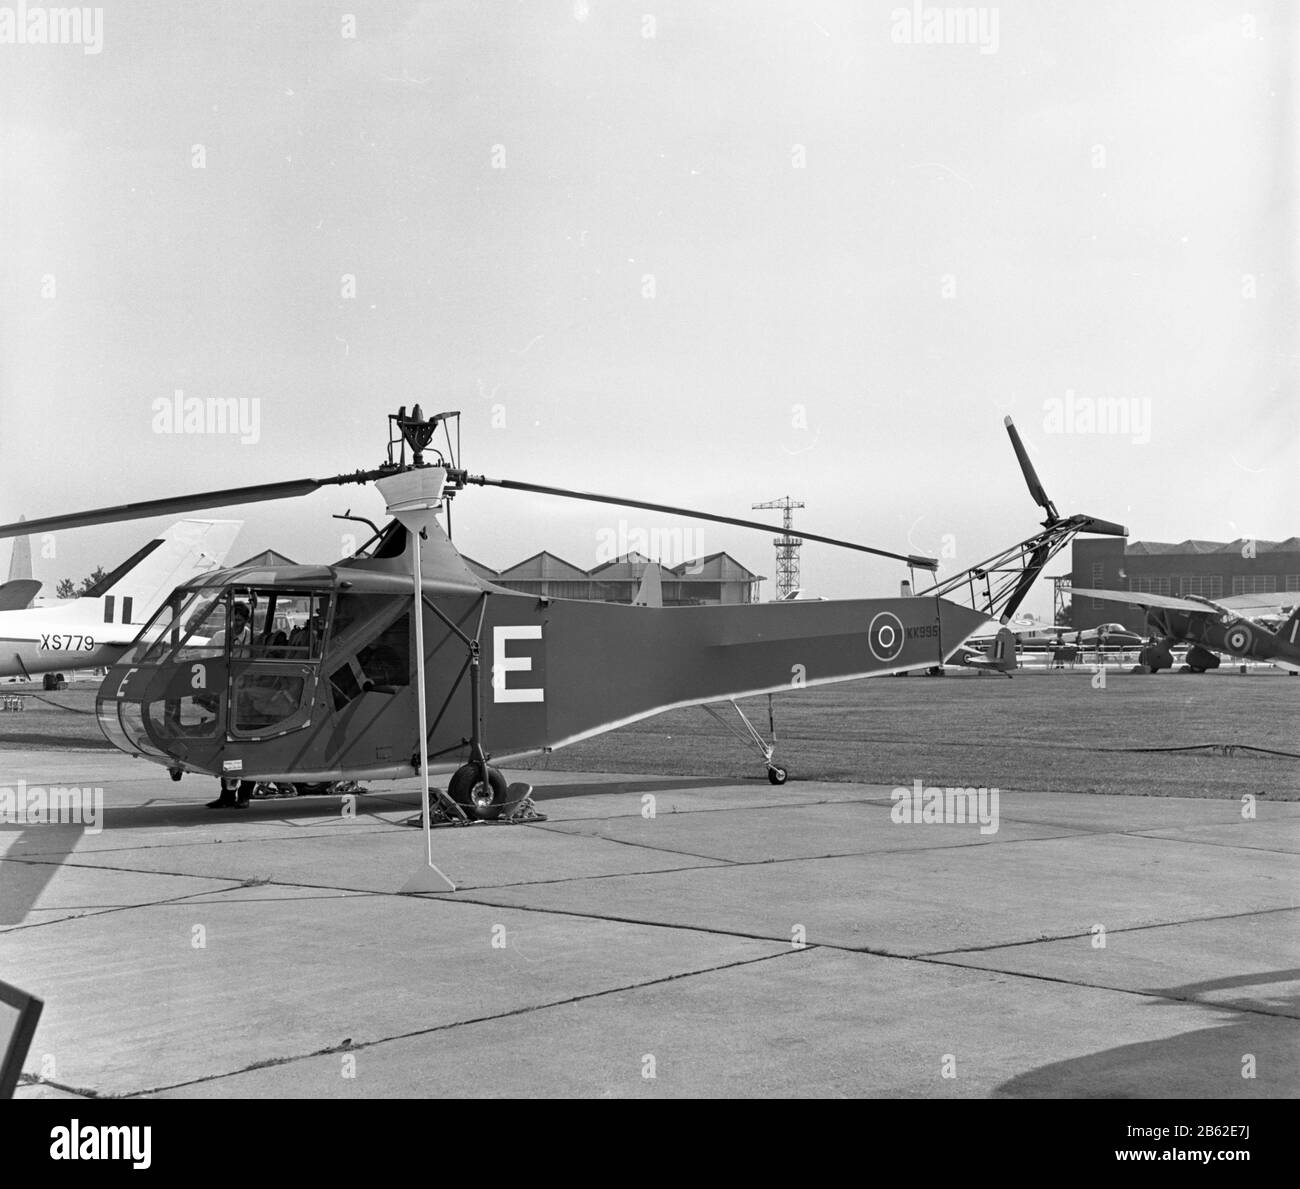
column 51, row 720
column 1039, row 731
column 1045, row 731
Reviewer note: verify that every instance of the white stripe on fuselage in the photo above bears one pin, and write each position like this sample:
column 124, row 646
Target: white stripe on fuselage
column 36, row 640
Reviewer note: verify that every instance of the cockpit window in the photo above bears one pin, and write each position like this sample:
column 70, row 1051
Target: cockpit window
column 284, row 625
column 243, row 623
column 387, row 660
column 182, row 628
column 371, row 636
column 220, row 629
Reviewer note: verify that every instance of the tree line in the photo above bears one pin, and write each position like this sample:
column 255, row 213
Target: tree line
column 67, row 589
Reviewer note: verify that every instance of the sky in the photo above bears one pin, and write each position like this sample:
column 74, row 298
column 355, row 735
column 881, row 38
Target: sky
column 707, row 254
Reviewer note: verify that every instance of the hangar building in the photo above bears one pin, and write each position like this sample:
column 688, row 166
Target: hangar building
column 711, row 580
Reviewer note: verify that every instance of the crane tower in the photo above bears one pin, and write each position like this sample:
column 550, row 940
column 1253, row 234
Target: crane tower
column 787, row 547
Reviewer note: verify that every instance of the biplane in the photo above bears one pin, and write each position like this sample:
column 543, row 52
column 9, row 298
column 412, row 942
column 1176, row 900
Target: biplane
column 401, row 660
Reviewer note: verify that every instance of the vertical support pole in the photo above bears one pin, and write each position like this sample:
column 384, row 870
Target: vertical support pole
column 417, row 609
column 413, row 497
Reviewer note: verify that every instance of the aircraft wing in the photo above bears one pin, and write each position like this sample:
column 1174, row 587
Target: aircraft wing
column 1139, row 599
column 1259, row 604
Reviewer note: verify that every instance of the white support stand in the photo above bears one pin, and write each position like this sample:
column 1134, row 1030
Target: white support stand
column 413, row 498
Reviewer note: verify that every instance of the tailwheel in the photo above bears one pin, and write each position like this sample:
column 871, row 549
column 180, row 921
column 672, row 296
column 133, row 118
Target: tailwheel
column 749, row 733
column 481, row 802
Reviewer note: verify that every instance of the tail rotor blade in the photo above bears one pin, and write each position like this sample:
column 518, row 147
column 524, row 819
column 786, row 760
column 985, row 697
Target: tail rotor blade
column 1031, row 475
column 1103, row 528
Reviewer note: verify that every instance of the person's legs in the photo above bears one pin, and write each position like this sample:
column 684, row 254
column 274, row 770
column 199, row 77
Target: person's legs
column 227, row 799
column 234, row 794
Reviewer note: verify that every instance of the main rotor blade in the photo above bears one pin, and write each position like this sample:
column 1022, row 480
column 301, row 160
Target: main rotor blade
column 921, row 563
column 1031, row 475
column 289, row 489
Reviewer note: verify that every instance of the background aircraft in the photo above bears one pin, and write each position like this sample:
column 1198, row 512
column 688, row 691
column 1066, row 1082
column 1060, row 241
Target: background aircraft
column 94, row 630
column 21, row 588
column 1045, row 637
column 1209, row 627
column 1105, row 635
column 18, row 593
column 998, row 657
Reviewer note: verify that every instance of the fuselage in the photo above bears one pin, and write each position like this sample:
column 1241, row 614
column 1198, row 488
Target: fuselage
column 76, row 636
column 340, row 702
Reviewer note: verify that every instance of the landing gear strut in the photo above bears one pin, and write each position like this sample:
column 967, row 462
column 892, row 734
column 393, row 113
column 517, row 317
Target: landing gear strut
column 748, row 733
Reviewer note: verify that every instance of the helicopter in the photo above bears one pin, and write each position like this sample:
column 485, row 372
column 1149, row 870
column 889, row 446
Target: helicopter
column 402, row 660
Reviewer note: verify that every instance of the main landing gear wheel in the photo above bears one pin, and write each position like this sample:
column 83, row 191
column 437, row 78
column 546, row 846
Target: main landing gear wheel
column 480, row 802
column 777, row 774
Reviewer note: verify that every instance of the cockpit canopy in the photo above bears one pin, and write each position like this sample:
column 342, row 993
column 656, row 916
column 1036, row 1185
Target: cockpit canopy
column 235, row 622
column 237, row 661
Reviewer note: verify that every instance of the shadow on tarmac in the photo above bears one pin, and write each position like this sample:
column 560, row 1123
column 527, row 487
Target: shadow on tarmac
column 1240, row 1057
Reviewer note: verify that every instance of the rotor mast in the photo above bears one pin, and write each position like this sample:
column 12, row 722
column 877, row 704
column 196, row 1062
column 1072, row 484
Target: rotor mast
column 787, row 546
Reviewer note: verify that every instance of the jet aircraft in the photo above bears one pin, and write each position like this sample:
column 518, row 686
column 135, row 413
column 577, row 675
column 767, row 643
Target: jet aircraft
column 93, row 631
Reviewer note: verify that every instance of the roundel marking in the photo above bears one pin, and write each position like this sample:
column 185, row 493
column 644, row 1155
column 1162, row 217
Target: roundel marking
column 1238, row 639
column 885, row 636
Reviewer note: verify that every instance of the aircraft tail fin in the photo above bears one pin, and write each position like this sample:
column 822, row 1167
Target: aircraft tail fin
column 1000, row 657
column 137, row 588
column 1004, row 651
column 18, row 593
column 20, row 560
column 651, row 591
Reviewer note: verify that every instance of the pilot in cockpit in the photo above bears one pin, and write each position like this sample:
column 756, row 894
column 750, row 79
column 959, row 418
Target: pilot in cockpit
column 240, row 635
